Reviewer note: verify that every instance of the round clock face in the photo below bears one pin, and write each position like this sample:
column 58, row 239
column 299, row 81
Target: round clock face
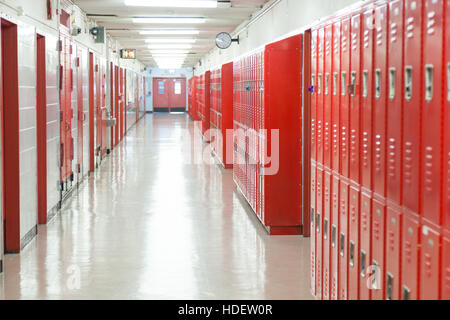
column 223, row 40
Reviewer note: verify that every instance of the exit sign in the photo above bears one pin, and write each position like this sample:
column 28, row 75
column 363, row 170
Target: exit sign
column 128, row 53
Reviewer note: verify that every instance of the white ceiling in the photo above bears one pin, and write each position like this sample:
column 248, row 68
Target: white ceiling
column 117, row 18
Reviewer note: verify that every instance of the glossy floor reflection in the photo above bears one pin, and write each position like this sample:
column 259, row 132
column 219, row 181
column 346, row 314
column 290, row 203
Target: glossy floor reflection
column 151, row 225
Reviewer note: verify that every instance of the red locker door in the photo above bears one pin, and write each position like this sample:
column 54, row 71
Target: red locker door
column 319, row 233
column 116, row 105
column 343, row 239
column 367, row 98
column 80, row 115
column 393, row 238
column 327, row 95
column 334, row 238
column 412, row 104
column 336, row 92
column 380, row 101
column 433, row 104
column 445, row 269
column 355, row 98
column 344, row 114
column 122, row 101
column 313, row 90
column 429, row 263
column 320, row 95
column 395, row 101
column 354, row 245
column 410, row 257
column 326, row 234
column 98, row 104
column 378, row 249
column 313, row 229
column 365, row 246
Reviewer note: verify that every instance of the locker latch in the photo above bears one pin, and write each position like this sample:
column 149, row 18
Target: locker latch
column 448, row 81
column 318, row 222
column 344, row 83
column 389, row 285
column 363, row 263
column 406, row 293
column 352, row 254
column 408, row 82
column 333, row 236
column 392, row 83
column 342, row 244
column 429, row 79
column 378, row 83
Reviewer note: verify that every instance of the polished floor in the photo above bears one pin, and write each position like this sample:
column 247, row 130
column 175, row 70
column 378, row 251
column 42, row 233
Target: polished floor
column 150, row 224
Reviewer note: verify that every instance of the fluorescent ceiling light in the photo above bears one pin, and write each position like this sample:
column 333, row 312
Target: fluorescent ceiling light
column 169, row 51
column 170, row 46
column 173, row 3
column 167, row 20
column 170, row 32
column 169, row 40
column 169, row 55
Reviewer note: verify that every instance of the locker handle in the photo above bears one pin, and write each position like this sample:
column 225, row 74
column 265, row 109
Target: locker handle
column 319, row 84
column 318, row 222
column 333, row 236
column 378, row 83
column 392, row 83
column 429, row 79
column 342, row 244
column 344, row 83
column 363, row 263
column 335, row 83
column 406, row 293
column 389, row 285
column 408, row 82
column 327, row 83
column 365, row 83
column 325, row 228
column 352, row 85
column 312, row 215
column 352, row 254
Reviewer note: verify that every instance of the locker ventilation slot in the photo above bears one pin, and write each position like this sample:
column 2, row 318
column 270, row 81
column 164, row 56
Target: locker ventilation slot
column 342, row 245
column 352, row 254
column 378, row 83
column 327, row 83
column 389, row 286
column 406, row 293
column 335, row 83
column 392, row 83
column 325, row 229
column 365, row 81
column 429, row 76
column 344, row 83
column 333, row 236
column 408, row 82
column 363, row 263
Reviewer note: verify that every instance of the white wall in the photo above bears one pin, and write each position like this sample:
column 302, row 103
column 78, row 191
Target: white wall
column 282, row 19
column 157, row 72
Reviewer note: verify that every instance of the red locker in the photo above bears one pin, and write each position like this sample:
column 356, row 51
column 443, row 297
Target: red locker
column 327, row 95
column 313, row 228
column 355, row 97
column 343, row 238
column 379, row 102
column 410, row 256
column 446, row 151
column 320, row 95
column 313, row 89
column 345, row 102
column 445, row 269
column 326, row 234
column 334, row 238
column 429, row 262
column 412, row 104
column 367, row 98
column 378, row 248
column 395, row 101
column 353, row 243
column 433, row 104
column 393, row 238
column 336, row 96
column 365, row 247
column 319, row 233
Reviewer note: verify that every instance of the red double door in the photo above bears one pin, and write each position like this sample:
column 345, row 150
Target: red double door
column 169, row 94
